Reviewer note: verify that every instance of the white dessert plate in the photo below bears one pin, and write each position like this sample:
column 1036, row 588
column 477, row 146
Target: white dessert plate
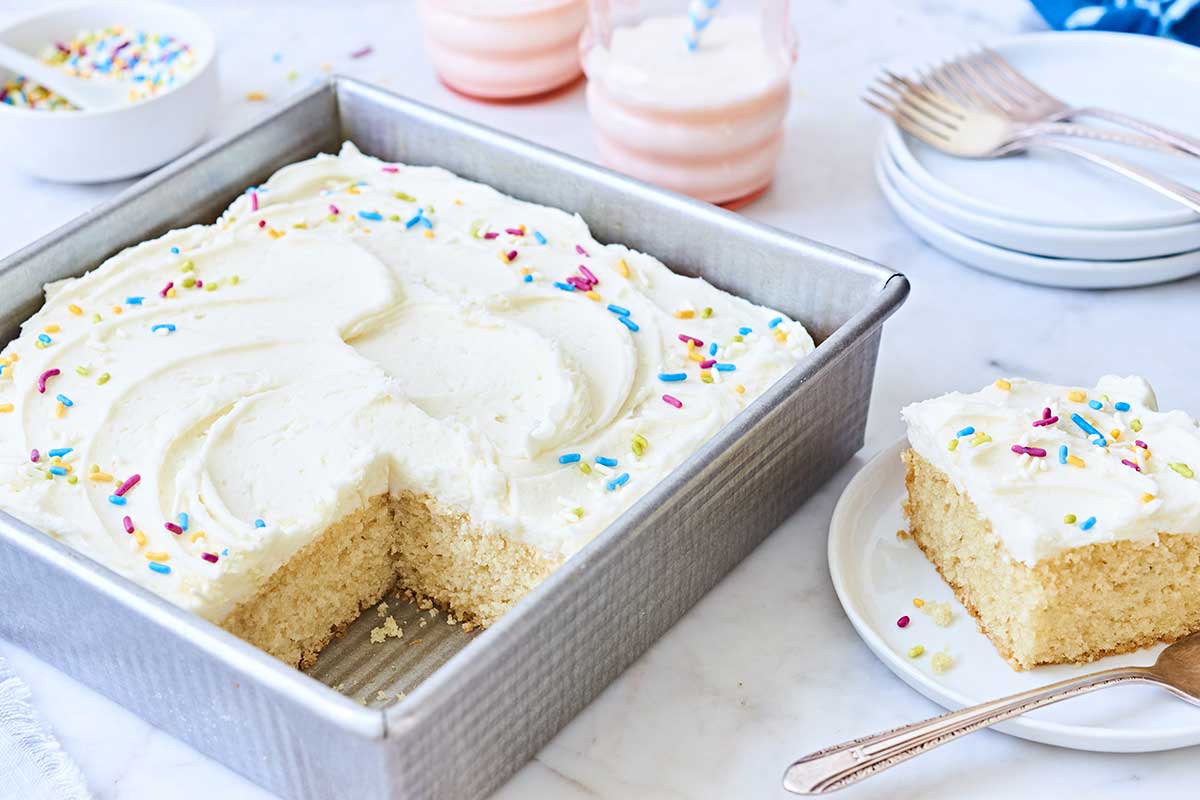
column 1043, row 240
column 1141, row 75
column 1061, row 272
column 876, row 576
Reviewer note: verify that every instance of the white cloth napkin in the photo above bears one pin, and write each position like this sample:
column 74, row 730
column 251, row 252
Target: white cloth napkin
column 32, row 765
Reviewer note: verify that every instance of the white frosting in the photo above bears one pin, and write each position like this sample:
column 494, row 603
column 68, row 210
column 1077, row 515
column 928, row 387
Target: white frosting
column 1028, row 499
column 650, row 64
column 353, row 356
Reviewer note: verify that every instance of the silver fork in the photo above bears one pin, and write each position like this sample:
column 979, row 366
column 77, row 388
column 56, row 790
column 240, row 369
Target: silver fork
column 967, row 132
column 986, row 78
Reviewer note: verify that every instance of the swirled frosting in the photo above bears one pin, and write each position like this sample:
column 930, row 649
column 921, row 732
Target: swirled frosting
column 352, row 328
column 1057, row 467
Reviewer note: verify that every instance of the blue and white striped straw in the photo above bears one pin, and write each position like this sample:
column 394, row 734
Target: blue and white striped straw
column 700, row 13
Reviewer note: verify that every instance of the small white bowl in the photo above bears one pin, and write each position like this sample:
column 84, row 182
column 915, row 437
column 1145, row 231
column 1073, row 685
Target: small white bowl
column 109, row 144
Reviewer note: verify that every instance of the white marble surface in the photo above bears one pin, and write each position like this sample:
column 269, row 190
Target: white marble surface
column 766, row 667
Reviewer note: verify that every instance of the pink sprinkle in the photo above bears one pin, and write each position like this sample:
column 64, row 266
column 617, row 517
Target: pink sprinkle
column 491, row 235
column 41, row 382
column 707, row 363
column 199, row 284
column 1129, row 463
column 587, row 273
column 515, row 231
column 1041, row 423
column 34, row 455
column 903, row 622
column 579, row 283
column 209, row 557
column 128, row 523
column 1046, row 412
column 1141, row 444
column 333, row 209
column 254, row 201
column 363, row 52
column 683, row 337
column 1036, row 452
column 672, row 401
column 391, row 169
column 262, row 223
column 173, row 528
column 579, row 249
column 129, row 483
column 511, row 255
column 163, row 291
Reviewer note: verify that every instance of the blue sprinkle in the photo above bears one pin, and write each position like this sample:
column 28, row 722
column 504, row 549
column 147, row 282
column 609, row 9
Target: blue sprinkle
column 174, row 251
column 415, row 220
column 1087, row 524
column 624, row 312
column 712, row 349
column 671, row 377
column 726, row 367
column 568, row 458
column 258, row 523
column 374, row 216
column 161, row 569
column 59, row 451
column 1096, row 404
column 162, row 326
column 225, row 552
column 1062, row 454
column 427, row 222
column 277, row 57
column 620, row 480
column 566, row 287
column 134, row 301
column 58, row 471
column 775, row 322
column 43, row 338
column 744, row 331
column 66, row 401
column 540, row 239
column 183, row 520
column 967, row 431
column 606, row 461
column 1086, row 426
column 117, row 501
column 1121, row 406
column 628, row 323
column 529, row 279
column 1100, row 441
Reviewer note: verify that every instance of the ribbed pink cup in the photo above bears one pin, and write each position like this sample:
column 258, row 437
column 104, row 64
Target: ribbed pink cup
column 720, row 145
column 504, row 49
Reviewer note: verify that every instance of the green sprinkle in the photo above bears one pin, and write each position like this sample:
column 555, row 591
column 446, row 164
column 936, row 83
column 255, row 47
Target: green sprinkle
column 49, row 476
column 188, row 283
column 738, row 338
column 953, row 445
column 233, row 280
column 1182, row 469
column 103, row 379
column 332, row 217
column 408, row 198
column 299, row 226
column 706, row 313
column 82, row 370
column 94, row 468
column 292, row 75
column 585, row 468
column 1069, row 519
column 980, row 438
column 916, row 651
column 96, row 318
column 578, row 512
column 1136, row 425
column 187, row 266
column 72, row 479
column 210, row 287
column 639, row 445
column 394, row 218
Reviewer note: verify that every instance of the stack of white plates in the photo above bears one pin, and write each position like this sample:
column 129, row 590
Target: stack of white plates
column 1051, row 218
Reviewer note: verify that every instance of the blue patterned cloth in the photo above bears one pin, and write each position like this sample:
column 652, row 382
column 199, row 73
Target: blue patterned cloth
column 1175, row 19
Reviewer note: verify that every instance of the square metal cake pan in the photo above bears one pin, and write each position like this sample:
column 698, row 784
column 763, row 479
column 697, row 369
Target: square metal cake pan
column 477, row 706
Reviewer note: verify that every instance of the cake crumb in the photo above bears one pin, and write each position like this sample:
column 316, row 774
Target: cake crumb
column 941, row 662
column 389, row 629
column 902, row 535
column 381, row 695
column 401, row 695
column 382, row 609
column 469, row 626
column 940, row 612
column 423, row 623
column 425, row 604
column 450, row 620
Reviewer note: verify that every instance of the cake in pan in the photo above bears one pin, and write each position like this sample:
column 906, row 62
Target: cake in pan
column 1066, row 520
column 364, row 376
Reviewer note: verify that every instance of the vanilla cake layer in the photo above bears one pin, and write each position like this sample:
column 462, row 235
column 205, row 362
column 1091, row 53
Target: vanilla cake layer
column 365, row 374
column 1066, row 520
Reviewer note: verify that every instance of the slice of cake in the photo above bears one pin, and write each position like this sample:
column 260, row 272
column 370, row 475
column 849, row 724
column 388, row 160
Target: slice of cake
column 365, row 375
column 1066, row 520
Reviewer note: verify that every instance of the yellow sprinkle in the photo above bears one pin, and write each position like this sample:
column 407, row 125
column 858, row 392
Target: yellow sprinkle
column 1076, row 396
column 1076, row 461
column 233, row 280
column 740, row 389
column 916, row 651
column 94, row 468
column 103, row 379
column 198, row 535
column 74, row 309
column 1136, row 425
column 592, row 295
column 256, row 97
column 1003, row 384
column 1114, row 433
column 72, row 479
column 685, row 314
column 139, row 537
column 5, row 408
column 781, row 335
column 622, row 268
column 99, row 476
column 187, row 266
column 980, row 438
column 326, row 67
column 51, row 329
column 706, row 376
column 953, row 445
column 171, row 292
column 458, row 202
column 694, row 356
column 119, row 310
column 1069, row 519
column 352, row 189
column 156, row 556
column 1147, row 497
column 276, row 234
column 60, row 410
column 13, row 358
column 585, row 468
column 503, row 256
column 918, row 602
column 428, row 234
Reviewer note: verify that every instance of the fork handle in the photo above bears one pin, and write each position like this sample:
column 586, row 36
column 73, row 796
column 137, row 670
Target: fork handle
column 842, row 765
column 1185, row 195
column 1188, row 144
column 1105, row 135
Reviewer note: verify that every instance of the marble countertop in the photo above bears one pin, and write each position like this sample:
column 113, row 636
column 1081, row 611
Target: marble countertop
column 766, row 667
